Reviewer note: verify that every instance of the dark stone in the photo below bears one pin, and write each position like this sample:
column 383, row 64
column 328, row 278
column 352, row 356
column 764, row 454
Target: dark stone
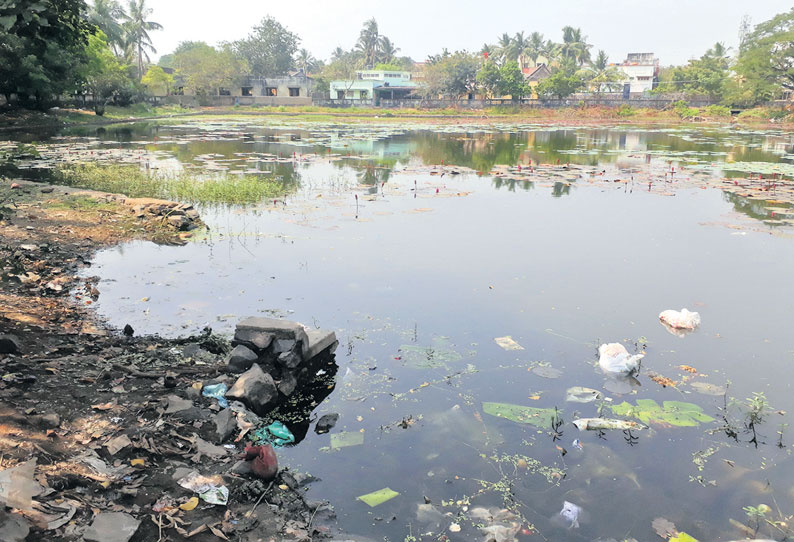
column 326, row 423
column 284, row 345
column 255, row 339
column 288, row 384
column 225, row 423
column 241, row 359
column 128, row 331
column 289, row 360
column 256, row 390
column 9, row 344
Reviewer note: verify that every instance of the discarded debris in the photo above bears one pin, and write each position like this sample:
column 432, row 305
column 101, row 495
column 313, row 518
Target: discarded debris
column 263, row 461
column 679, row 322
column 276, row 434
column 508, row 343
column 217, row 391
column 378, row 497
column 18, row 487
column 345, row 439
column 578, row 394
column 209, row 488
column 570, row 515
column 614, row 358
column 597, row 424
column 112, row 527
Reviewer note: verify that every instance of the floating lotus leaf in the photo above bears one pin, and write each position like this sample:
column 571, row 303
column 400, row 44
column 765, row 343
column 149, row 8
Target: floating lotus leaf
column 378, row 497
column 676, row 413
column 539, row 417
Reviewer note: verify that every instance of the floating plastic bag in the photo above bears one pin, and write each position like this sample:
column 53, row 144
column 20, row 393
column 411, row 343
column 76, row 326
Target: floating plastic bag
column 570, row 515
column 276, row 434
column 614, row 358
column 679, row 322
column 218, row 391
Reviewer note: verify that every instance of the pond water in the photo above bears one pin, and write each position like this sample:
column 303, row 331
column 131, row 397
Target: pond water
column 419, row 273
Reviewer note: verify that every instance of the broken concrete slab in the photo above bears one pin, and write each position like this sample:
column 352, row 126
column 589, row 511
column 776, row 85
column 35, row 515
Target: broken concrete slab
column 287, row 384
column 319, row 341
column 280, row 329
column 112, row 527
column 241, row 359
column 289, row 360
column 255, row 339
column 256, row 390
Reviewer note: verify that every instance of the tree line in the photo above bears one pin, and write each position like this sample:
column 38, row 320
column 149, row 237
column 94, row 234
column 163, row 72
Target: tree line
column 52, row 48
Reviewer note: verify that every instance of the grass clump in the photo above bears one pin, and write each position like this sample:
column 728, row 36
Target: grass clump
column 185, row 187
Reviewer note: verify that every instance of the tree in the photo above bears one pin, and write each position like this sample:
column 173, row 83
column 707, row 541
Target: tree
column 102, row 75
column 156, row 80
column 489, row 76
column 561, row 84
column 453, row 75
column 705, row 75
column 41, row 45
column 599, row 75
column 107, row 16
column 387, row 50
column 205, row 69
column 503, row 80
column 574, row 45
column 368, row 44
column 306, row 62
column 268, row 49
column 136, row 31
column 504, row 46
column 535, row 47
column 766, row 60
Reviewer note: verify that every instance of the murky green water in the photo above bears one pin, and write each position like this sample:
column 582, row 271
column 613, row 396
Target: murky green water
column 422, row 274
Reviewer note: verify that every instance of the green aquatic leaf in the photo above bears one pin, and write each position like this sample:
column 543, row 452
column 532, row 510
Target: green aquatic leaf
column 675, row 413
column 683, row 537
column 539, row 417
column 437, row 355
column 345, row 439
column 378, row 497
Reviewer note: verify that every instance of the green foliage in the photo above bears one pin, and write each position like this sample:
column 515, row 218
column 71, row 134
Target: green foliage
column 625, row 111
column 683, row 110
column 452, row 75
column 718, row 111
column 131, row 181
column 539, row 417
column 205, row 69
column 676, row 413
column 102, row 75
column 561, row 84
column 269, row 49
column 157, row 81
column 41, row 44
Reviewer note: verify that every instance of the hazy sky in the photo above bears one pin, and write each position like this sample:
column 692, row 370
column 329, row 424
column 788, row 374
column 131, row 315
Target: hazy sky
column 675, row 30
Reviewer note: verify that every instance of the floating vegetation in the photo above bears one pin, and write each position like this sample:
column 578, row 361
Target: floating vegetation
column 438, row 355
column 539, row 417
column 674, row 413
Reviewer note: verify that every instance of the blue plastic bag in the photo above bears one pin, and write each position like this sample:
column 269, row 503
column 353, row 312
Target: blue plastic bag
column 276, row 434
column 218, row 391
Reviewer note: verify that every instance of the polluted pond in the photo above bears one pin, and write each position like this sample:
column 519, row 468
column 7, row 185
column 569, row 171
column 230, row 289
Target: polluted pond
column 483, row 354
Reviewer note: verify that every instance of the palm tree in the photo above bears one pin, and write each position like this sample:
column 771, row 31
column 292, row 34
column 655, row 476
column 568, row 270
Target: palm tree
column 534, row 48
column 136, row 29
column 600, row 75
column 106, row 15
column 369, row 43
column 305, row 61
column 520, row 48
column 719, row 51
column 574, row 45
column 503, row 46
column 338, row 54
column 387, row 50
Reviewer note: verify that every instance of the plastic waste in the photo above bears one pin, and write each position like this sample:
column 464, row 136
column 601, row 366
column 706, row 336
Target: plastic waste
column 276, row 434
column 570, row 515
column 264, row 462
column 614, row 358
column 682, row 319
column 209, row 488
column 112, row 527
column 596, row 424
column 578, row 394
column 218, row 391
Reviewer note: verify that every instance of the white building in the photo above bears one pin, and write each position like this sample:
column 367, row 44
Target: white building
column 641, row 71
column 372, row 84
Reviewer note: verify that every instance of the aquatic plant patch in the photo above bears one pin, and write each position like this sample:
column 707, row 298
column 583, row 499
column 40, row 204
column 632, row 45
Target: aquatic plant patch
column 675, row 413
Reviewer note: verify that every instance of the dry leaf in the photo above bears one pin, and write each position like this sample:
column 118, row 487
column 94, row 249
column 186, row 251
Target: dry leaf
column 217, row 532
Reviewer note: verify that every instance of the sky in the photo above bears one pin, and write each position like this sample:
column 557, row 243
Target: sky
column 676, row 30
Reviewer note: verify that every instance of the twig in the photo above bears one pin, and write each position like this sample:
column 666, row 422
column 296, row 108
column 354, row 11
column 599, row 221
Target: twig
column 262, row 496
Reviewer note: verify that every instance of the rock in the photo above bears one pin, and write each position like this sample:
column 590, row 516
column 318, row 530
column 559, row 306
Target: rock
column 326, row 423
column 319, row 341
column 242, row 467
column 47, row 421
column 287, row 384
column 13, row 527
column 225, row 423
column 47, row 190
column 281, row 346
column 9, row 344
column 179, row 222
column 112, row 527
column 256, row 390
column 289, row 360
column 128, row 331
column 255, row 339
column 280, row 329
column 241, row 359
column 177, row 404
column 15, row 186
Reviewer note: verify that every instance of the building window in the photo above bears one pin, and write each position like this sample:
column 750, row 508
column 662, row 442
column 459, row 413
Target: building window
column 349, row 94
column 340, row 94
column 294, row 91
column 271, row 91
column 224, row 92
column 643, row 78
column 248, row 91
column 363, row 94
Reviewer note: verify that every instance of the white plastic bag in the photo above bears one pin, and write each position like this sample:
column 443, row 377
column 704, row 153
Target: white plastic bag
column 614, row 358
column 682, row 319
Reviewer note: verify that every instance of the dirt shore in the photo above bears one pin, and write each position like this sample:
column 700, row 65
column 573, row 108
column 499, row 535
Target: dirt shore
column 112, row 421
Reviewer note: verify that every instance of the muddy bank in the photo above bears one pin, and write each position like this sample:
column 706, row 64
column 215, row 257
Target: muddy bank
column 106, row 432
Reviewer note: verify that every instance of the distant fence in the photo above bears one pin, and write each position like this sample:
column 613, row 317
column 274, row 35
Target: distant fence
column 228, row 101
column 652, row 102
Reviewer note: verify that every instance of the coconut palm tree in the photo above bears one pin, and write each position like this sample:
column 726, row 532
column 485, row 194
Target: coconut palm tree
column 600, row 75
column 520, row 48
column 305, row 61
column 387, row 50
column 136, row 30
column 534, row 49
column 338, row 54
column 503, row 46
column 369, row 43
column 106, row 15
column 574, row 45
